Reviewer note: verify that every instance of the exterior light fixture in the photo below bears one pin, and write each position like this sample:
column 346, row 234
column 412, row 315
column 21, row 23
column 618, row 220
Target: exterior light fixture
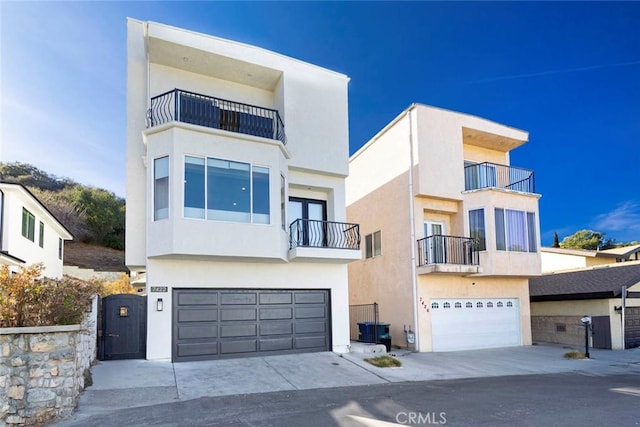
column 159, row 304
column 586, row 321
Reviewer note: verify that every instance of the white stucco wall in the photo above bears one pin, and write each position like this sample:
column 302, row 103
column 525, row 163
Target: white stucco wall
column 209, row 274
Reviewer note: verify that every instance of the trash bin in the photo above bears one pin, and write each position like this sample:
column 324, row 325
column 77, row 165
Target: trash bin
column 367, row 332
column 383, row 330
column 387, row 343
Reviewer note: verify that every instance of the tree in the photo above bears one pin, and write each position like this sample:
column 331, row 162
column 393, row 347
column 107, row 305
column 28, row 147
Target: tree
column 121, row 285
column 556, row 241
column 587, row 239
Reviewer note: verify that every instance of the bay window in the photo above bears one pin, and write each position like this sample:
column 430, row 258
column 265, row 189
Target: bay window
column 161, row 188
column 225, row 190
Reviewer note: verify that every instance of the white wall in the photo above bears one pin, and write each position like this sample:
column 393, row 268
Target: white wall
column 210, row 274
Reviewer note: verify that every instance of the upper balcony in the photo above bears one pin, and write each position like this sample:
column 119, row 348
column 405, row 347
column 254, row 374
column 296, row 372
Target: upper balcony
column 189, row 107
column 448, row 254
column 324, row 240
column 492, row 175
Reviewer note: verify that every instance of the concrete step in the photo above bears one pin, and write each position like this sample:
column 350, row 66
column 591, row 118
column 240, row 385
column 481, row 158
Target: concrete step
column 363, row 347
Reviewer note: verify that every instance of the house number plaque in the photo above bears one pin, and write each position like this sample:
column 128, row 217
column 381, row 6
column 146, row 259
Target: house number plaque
column 159, row 289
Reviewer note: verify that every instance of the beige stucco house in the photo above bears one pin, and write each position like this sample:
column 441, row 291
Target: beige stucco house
column 29, row 233
column 609, row 294
column 236, row 216
column 560, row 259
column 451, row 230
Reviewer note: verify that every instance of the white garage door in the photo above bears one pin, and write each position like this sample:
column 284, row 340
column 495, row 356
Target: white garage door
column 466, row 324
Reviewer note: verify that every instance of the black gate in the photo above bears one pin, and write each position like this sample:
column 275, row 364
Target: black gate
column 601, row 332
column 124, row 327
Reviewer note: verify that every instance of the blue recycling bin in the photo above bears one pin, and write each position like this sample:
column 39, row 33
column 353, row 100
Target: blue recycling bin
column 373, row 332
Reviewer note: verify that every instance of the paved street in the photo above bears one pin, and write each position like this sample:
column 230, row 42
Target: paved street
column 567, row 399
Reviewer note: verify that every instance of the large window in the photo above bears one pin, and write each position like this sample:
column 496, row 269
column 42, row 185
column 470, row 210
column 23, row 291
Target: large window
column 373, row 245
column 28, row 225
column 307, row 221
column 161, row 188
column 476, row 228
column 225, row 190
column 515, row 231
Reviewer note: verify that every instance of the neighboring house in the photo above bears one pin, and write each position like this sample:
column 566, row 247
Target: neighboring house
column 29, row 233
column 560, row 300
column 451, row 230
column 559, row 259
column 236, row 166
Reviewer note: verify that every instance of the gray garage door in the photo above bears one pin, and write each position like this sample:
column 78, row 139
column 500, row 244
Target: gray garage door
column 223, row 323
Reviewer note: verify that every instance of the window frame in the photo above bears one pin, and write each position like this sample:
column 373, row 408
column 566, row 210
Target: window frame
column 482, row 234
column 206, row 183
column 156, row 179
column 28, row 225
column 505, row 241
column 373, row 244
column 41, row 235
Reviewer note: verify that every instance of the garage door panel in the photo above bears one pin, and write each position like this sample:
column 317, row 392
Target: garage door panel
column 279, row 328
column 238, row 331
column 310, row 298
column 198, row 315
column 461, row 324
column 310, row 312
column 269, row 313
column 198, row 298
column 279, row 344
column 275, row 298
column 241, row 323
column 198, row 349
column 311, row 342
column 234, row 347
column 198, row 331
column 229, row 314
column 311, row 327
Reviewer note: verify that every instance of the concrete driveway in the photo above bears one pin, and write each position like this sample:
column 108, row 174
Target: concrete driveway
column 134, row 383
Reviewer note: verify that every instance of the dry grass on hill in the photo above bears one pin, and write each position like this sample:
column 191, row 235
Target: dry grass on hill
column 99, row 258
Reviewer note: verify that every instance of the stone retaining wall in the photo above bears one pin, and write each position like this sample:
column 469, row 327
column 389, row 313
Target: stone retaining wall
column 42, row 370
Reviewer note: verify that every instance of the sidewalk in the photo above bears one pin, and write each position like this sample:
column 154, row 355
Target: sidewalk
column 134, row 383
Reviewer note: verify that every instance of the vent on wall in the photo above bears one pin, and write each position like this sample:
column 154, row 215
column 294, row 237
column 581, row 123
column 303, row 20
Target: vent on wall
column 561, row 327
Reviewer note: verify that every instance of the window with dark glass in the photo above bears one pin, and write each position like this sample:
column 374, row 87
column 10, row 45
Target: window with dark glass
column 28, row 225
column 373, row 245
column 307, row 218
column 477, row 229
column 41, row 235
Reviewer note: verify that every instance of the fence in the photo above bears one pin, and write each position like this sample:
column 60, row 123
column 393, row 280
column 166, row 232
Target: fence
column 362, row 313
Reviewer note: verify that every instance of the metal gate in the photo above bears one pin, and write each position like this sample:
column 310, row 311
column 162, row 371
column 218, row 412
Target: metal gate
column 632, row 327
column 124, row 327
column 601, row 332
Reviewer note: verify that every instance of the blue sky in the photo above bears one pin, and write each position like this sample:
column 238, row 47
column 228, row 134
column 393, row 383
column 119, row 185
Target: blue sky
column 569, row 73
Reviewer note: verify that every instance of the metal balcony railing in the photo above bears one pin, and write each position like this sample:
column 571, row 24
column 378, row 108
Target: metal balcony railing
column 492, row 175
column 324, row 234
column 197, row 109
column 438, row 249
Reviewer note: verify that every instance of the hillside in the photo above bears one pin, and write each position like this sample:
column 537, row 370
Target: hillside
column 94, row 216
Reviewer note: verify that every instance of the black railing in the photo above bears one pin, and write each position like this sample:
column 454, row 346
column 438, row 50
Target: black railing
column 197, row 109
column 324, row 234
column 492, row 175
column 361, row 314
column 438, row 249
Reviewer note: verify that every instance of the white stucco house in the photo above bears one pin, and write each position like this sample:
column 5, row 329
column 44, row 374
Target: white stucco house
column 236, row 217
column 29, row 233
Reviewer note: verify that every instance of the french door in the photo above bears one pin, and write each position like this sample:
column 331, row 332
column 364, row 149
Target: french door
column 435, row 247
column 306, row 222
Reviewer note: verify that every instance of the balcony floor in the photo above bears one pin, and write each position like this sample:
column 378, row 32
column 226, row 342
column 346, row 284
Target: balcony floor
column 452, row 269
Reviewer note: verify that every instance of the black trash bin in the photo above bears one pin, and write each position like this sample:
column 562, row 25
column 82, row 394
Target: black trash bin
column 367, row 332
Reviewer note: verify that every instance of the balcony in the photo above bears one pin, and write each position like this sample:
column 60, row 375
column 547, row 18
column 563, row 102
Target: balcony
column 492, row 175
column 448, row 254
column 324, row 241
column 202, row 110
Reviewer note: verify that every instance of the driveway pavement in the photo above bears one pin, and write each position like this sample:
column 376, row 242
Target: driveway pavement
column 134, row 383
